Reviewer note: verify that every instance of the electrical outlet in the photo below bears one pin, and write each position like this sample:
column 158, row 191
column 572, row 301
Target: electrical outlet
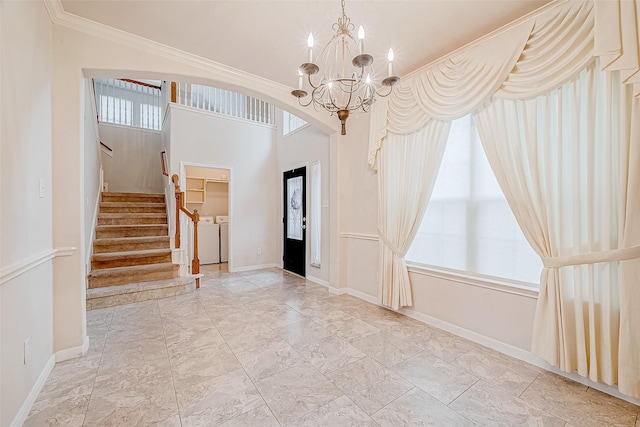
column 259, row 251
column 27, row 351
column 41, row 188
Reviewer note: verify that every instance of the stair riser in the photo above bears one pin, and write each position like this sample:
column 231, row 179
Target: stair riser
column 131, row 261
column 132, row 209
column 121, row 247
column 132, row 199
column 126, row 277
column 132, row 221
column 131, row 232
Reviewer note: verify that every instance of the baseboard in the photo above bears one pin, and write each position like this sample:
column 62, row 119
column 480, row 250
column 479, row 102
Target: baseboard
column 23, row 413
column 319, row 282
column 253, row 267
column 362, row 296
column 499, row 346
column 73, row 352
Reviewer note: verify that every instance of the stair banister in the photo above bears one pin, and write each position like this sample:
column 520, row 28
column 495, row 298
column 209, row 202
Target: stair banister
column 195, row 217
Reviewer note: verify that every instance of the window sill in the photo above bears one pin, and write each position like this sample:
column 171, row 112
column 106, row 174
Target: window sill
column 512, row 287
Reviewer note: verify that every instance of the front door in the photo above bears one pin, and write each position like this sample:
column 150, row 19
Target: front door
column 295, row 218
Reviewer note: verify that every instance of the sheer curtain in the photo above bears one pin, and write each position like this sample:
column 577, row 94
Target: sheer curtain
column 406, row 174
column 563, row 160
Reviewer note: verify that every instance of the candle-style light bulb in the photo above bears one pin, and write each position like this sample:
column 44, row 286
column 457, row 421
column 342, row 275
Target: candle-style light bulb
column 299, row 78
column 368, row 79
column 390, row 58
column 361, row 39
column 310, row 44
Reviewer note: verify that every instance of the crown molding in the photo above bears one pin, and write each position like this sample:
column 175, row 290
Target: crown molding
column 278, row 92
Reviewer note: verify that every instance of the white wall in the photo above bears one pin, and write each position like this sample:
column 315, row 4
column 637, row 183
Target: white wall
column 92, row 164
column 135, row 166
column 249, row 151
column 25, row 217
column 303, row 147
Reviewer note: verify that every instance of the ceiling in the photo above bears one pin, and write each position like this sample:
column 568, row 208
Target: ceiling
column 268, row 38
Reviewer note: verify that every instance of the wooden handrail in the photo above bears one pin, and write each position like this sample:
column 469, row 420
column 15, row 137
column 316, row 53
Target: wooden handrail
column 137, row 82
column 195, row 217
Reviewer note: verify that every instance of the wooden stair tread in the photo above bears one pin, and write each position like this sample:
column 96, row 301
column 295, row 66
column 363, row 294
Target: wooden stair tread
column 166, row 266
column 140, row 204
column 132, row 214
column 119, row 194
column 132, row 254
column 136, row 239
column 111, row 226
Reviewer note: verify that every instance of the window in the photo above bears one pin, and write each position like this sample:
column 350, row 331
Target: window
column 150, row 116
column 291, row 122
column 316, row 213
column 116, row 110
column 468, row 224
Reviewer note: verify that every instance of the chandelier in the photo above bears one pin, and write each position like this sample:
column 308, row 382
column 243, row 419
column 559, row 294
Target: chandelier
column 347, row 82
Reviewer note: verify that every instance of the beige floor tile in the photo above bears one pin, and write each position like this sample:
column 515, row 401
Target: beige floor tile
column 280, row 317
column 369, row 384
column 578, row 405
column 330, row 353
column 297, row 391
column 488, row 405
column 506, row 374
column 301, row 333
column 386, row 349
column 351, row 329
column 269, row 360
column 326, row 315
column 128, row 369
column 440, row 379
column 173, row 421
column 201, row 350
column 342, row 412
column 417, row 408
column 215, row 401
column 135, row 332
column 228, row 321
column 250, row 338
column 259, row 417
column 191, row 338
column 71, row 378
column 202, row 364
column 446, row 346
column 147, row 349
column 69, row 411
column 141, row 404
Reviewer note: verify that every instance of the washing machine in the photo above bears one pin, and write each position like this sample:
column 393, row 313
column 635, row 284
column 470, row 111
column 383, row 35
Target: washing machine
column 208, row 240
column 223, row 222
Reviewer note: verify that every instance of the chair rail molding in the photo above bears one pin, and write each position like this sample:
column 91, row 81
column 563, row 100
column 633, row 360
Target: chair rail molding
column 21, row 267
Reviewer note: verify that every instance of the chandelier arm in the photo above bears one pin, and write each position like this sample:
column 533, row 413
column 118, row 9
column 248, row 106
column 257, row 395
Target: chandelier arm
column 381, row 94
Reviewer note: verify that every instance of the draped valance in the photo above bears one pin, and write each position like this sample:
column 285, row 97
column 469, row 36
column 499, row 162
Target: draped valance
column 522, row 62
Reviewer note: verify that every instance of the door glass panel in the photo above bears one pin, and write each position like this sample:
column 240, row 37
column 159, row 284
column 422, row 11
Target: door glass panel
column 294, row 208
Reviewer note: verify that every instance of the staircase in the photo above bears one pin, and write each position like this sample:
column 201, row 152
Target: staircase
column 131, row 259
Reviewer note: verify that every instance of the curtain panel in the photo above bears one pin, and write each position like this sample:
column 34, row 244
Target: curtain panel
column 528, row 60
column 562, row 160
column 408, row 169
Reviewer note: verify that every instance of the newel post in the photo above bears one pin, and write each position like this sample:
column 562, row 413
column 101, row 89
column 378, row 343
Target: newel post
column 195, row 264
column 178, row 196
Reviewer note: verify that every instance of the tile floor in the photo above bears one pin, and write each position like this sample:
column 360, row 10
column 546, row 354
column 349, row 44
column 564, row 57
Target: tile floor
column 266, row 348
